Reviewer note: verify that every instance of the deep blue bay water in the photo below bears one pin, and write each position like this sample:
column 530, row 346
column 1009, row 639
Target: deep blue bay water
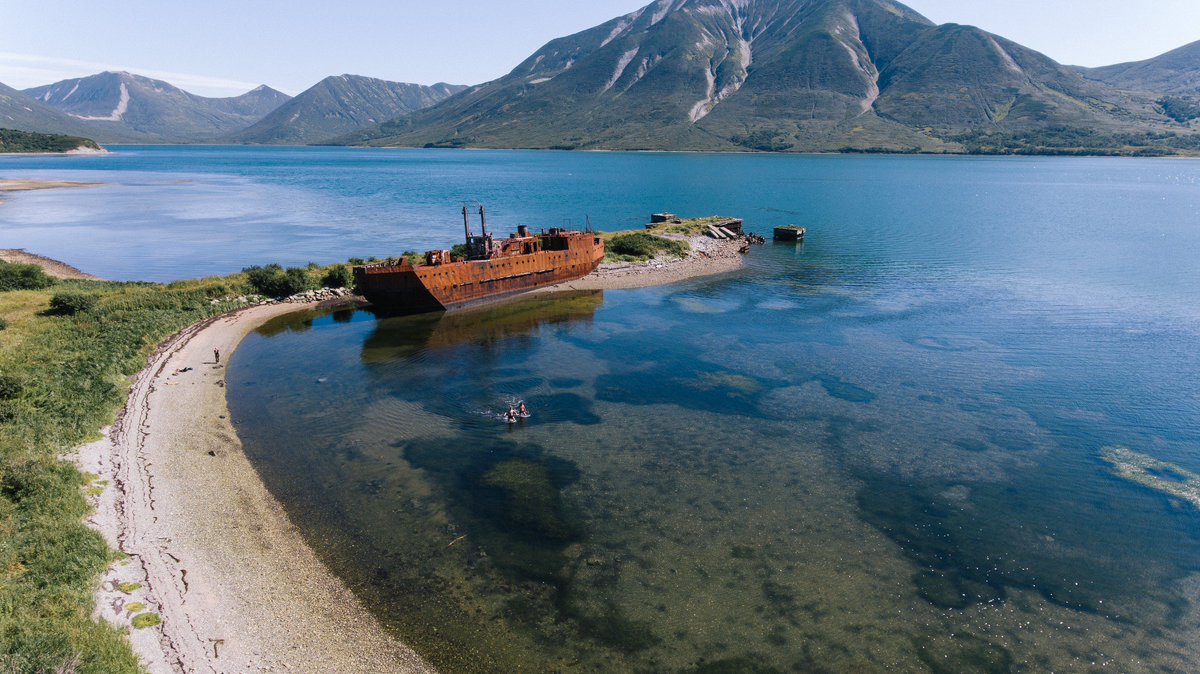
column 956, row 430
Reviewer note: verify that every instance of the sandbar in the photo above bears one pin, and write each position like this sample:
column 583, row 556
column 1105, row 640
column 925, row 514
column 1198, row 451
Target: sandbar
column 21, row 184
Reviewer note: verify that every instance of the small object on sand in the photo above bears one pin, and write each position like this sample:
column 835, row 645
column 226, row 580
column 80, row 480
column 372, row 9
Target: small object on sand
column 217, row 355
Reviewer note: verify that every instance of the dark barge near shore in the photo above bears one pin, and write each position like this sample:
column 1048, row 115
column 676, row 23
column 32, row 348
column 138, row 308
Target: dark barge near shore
column 493, row 268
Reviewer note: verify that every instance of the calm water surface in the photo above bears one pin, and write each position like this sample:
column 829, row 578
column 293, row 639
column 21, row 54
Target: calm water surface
column 956, row 430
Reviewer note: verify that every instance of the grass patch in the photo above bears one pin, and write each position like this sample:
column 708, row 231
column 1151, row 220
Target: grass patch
column 640, row 246
column 689, row 226
column 64, row 378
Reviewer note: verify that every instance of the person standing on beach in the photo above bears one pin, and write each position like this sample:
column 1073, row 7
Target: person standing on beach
column 217, row 356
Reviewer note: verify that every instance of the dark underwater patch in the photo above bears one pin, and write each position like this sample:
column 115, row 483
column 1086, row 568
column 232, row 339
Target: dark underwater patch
column 844, row 390
column 1058, row 546
column 964, row 653
column 509, row 497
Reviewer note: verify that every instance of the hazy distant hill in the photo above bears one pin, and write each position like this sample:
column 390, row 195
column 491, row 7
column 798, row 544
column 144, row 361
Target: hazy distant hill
column 1175, row 72
column 254, row 104
column 119, row 105
column 19, row 111
column 340, row 104
column 796, row 75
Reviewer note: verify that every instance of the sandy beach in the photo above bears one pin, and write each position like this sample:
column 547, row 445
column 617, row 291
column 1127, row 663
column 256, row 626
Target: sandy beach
column 209, row 549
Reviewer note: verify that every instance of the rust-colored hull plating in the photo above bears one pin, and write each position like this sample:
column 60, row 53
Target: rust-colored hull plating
column 405, row 288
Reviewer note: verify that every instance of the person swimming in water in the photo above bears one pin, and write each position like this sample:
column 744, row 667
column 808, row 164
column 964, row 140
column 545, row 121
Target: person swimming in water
column 511, row 415
column 522, row 411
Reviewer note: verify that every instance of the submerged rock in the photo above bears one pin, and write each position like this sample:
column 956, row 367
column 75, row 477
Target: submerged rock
column 1153, row 473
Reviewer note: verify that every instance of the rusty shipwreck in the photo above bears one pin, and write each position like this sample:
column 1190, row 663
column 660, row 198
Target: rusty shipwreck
column 491, row 269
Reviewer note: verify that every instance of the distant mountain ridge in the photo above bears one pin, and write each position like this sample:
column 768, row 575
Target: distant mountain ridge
column 340, row 104
column 1175, row 72
column 800, row 75
column 121, row 105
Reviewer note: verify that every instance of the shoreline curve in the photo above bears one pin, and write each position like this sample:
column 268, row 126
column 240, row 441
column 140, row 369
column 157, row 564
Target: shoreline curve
column 210, row 550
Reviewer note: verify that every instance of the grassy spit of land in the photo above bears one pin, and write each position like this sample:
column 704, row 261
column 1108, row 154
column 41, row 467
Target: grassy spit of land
column 669, row 239
column 67, row 349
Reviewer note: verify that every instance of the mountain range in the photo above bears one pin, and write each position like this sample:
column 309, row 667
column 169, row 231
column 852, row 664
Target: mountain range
column 712, row 75
column 799, row 75
column 120, row 107
column 338, row 105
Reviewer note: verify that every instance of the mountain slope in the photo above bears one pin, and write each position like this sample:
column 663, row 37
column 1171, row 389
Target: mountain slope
column 1175, row 72
column 19, row 111
column 117, row 105
column 254, row 104
column 338, row 105
column 768, row 75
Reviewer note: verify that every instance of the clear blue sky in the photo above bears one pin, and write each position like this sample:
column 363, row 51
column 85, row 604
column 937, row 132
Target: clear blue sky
column 225, row 47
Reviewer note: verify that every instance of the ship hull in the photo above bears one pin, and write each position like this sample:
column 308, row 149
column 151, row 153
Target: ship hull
column 409, row 289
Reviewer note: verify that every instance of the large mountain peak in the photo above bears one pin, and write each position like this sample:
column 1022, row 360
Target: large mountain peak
column 765, row 74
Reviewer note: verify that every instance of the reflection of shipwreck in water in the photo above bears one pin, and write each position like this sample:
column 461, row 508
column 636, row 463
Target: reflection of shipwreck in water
column 492, row 268
column 400, row 336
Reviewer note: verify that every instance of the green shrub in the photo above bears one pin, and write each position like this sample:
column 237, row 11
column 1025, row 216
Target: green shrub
column 338, row 276
column 69, row 303
column 15, row 276
column 640, row 244
column 3, row 323
column 355, row 261
column 275, row 281
column 10, row 387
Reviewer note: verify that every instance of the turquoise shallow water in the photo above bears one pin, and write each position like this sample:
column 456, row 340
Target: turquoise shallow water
column 889, row 448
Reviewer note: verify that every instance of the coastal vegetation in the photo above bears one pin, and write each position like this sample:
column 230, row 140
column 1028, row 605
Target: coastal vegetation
column 12, row 140
column 641, row 246
column 16, row 276
column 275, row 281
column 64, row 363
column 1080, row 142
